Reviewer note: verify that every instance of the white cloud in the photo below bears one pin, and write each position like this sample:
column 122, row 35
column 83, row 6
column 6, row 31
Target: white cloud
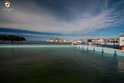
column 44, row 21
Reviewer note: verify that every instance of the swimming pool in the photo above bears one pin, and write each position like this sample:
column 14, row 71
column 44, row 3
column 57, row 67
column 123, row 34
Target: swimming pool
column 58, row 64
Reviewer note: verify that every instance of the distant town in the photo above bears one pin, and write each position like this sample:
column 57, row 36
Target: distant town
column 110, row 41
column 87, row 41
column 117, row 43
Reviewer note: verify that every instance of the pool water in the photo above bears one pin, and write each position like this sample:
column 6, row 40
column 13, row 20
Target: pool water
column 58, row 64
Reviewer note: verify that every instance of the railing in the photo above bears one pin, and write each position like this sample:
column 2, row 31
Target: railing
column 101, row 50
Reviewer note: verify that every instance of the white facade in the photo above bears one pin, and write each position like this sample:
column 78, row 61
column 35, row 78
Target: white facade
column 121, row 41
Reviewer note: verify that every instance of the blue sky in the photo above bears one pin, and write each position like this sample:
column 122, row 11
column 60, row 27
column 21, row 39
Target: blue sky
column 68, row 19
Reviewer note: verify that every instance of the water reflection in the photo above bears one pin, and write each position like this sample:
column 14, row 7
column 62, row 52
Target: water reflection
column 106, row 63
column 121, row 64
column 12, row 51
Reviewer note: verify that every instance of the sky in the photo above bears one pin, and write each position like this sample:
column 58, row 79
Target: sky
column 67, row 19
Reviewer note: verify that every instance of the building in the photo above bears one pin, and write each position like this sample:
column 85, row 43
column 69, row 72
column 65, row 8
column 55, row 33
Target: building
column 101, row 40
column 121, row 46
column 56, row 40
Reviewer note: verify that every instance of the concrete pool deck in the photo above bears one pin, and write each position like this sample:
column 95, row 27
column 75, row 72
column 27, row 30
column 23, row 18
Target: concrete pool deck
column 33, row 46
column 95, row 49
column 101, row 50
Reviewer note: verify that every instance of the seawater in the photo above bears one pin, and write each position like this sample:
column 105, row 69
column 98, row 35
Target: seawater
column 58, row 64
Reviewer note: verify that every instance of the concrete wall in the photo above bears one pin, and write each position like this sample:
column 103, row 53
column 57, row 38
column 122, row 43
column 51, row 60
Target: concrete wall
column 101, row 50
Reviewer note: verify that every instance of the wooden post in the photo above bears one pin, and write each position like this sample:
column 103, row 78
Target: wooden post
column 93, row 50
column 115, row 53
column 102, row 51
column 87, row 49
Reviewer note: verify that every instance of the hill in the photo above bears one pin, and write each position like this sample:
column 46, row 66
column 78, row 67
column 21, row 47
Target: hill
column 11, row 38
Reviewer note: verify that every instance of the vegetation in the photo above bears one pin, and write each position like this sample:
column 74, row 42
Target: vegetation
column 11, row 38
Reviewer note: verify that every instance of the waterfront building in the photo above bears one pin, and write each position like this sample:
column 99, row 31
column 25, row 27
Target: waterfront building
column 121, row 47
column 56, row 40
column 101, row 40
